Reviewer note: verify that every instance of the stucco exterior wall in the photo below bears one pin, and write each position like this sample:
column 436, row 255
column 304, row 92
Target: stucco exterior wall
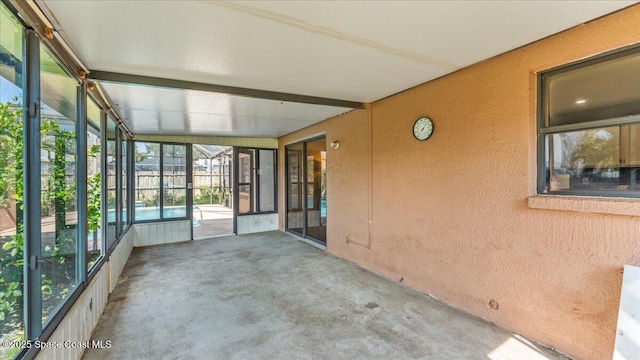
column 452, row 216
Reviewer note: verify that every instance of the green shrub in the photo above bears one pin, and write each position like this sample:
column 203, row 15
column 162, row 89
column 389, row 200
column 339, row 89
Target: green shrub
column 206, row 195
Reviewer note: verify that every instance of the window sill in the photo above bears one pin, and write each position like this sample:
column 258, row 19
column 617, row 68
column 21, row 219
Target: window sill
column 586, row 204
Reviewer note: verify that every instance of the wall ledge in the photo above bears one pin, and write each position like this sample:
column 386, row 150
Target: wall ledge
column 586, row 204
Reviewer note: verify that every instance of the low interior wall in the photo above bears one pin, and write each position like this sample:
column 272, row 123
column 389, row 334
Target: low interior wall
column 156, row 233
column 84, row 315
column 248, row 224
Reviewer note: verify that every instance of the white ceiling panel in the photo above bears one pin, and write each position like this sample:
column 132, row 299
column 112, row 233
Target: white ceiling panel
column 204, row 42
column 156, row 111
column 458, row 33
column 350, row 50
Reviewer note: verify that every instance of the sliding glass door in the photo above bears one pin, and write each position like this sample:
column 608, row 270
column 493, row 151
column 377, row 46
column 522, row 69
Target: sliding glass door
column 295, row 183
column 306, row 168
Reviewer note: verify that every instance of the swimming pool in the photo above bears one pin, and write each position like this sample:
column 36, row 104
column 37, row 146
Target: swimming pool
column 152, row 213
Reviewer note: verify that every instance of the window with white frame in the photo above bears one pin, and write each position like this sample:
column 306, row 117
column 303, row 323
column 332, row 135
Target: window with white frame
column 589, row 127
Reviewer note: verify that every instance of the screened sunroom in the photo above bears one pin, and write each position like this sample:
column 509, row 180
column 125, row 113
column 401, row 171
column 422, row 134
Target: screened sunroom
column 269, row 179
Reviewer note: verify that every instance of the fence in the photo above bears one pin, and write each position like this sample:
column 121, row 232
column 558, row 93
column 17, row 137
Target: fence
column 207, row 188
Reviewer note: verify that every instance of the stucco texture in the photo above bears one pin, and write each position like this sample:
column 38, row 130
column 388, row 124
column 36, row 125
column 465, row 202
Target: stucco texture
column 450, row 217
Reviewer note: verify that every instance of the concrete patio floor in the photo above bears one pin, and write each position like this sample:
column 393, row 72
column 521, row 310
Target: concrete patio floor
column 212, row 220
column 271, row 296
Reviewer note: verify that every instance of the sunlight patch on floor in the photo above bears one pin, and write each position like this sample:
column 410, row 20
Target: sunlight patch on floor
column 513, row 348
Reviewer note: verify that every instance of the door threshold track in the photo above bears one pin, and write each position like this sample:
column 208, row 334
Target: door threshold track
column 310, row 242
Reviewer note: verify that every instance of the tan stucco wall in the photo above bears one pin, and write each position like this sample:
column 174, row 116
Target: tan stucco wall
column 451, row 217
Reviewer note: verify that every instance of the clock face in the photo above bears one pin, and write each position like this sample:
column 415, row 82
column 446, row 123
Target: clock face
column 423, row 128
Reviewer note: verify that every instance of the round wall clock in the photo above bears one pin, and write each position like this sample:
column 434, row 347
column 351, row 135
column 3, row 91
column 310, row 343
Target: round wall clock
column 423, row 128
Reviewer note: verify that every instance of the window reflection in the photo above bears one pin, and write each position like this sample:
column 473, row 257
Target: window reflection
column 147, row 181
column 94, row 184
column 58, row 183
column 596, row 159
column 267, row 173
column 307, row 189
column 124, row 216
column 11, row 183
column 174, row 178
column 590, row 126
column 245, row 180
column 112, row 194
column 599, row 91
column 154, row 180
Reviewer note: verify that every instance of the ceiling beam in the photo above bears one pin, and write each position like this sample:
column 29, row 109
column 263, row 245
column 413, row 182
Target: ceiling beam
column 224, row 89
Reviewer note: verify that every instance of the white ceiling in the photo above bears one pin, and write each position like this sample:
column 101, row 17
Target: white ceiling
column 350, row 50
column 156, row 111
